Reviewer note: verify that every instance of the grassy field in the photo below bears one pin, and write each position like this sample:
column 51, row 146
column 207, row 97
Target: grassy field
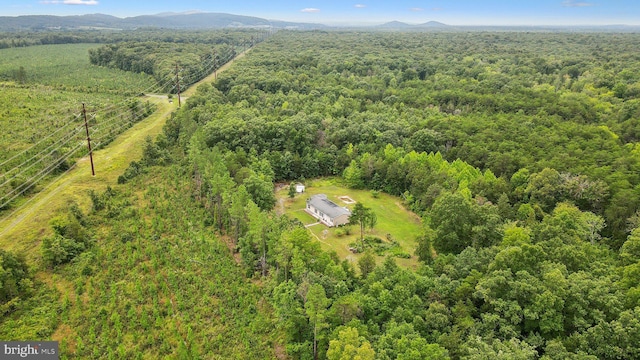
column 403, row 225
column 67, row 67
column 29, row 113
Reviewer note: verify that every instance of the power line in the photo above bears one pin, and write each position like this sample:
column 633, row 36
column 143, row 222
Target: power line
column 109, row 126
column 36, row 144
column 23, row 205
column 31, row 182
column 86, row 126
column 70, row 136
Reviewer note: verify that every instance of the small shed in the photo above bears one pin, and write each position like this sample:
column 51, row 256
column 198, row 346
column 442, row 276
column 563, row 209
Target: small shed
column 300, row 188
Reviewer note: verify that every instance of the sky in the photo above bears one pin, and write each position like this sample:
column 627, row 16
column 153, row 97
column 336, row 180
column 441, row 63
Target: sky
column 359, row 12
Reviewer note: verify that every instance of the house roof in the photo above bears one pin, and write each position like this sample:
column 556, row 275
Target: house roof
column 327, row 206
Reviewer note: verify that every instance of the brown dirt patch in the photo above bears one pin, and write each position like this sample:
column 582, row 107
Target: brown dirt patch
column 66, row 334
column 346, row 199
column 281, row 352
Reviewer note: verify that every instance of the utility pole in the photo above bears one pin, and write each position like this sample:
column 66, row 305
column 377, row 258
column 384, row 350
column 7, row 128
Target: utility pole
column 86, row 126
column 215, row 69
column 178, row 85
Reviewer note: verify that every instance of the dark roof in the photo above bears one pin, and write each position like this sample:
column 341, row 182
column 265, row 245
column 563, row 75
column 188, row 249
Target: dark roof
column 327, row 206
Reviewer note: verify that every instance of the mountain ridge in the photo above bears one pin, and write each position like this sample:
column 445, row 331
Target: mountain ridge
column 187, row 20
column 194, row 19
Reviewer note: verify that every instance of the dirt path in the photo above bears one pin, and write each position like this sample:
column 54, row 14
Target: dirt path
column 23, row 229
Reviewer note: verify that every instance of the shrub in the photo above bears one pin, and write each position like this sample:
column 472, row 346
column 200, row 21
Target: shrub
column 134, row 169
column 59, row 250
column 68, row 226
column 97, row 201
column 14, row 279
column 356, row 247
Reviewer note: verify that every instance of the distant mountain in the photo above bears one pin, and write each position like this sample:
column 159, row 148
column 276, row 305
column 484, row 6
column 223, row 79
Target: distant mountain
column 41, row 22
column 398, row 25
column 188, row 20
column 395, row 25
column 180, row 13
column 433, row 24
column 202, row 20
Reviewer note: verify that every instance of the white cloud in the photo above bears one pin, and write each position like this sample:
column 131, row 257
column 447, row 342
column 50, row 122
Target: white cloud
column 416, row 9
column 574, row 3
column 310, row 10
column 70, row 2
column 359, row 6
column 80, row 2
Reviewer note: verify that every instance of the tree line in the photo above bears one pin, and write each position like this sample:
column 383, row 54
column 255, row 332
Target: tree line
column 165, row 61
column 51, row 37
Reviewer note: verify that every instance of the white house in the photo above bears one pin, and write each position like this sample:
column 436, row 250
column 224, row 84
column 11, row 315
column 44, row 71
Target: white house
column 326, row 211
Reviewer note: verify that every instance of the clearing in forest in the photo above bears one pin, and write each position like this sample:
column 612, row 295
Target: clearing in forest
column 397, row 228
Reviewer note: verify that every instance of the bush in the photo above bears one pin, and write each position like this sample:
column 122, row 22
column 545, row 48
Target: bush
column 68, row 226
column 84, row 263
column 14, row 278
column 152, row 154
column 401, row 254
column 77, row 213
column 356, row 247
column 134, row 169
column 371, row 240
column 379, row 246
column 59, row 250
column 97, row 201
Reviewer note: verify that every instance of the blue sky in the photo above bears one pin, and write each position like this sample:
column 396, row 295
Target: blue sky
column 454, row 12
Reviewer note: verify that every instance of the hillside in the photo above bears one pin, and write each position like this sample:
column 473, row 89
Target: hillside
column 398, row 25
column 395, row 25
column 171, row 21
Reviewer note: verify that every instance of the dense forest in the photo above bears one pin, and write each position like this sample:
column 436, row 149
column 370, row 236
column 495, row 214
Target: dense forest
column 517, row 150
column 164, row 60
column 188, row 55
column 213, row 37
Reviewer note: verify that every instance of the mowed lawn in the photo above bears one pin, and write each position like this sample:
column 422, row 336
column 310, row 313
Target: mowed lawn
column 403, row 225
